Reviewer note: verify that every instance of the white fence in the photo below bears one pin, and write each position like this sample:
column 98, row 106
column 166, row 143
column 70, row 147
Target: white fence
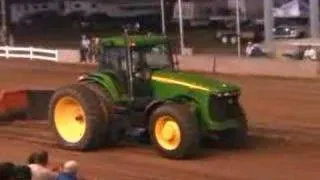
column 29, row 53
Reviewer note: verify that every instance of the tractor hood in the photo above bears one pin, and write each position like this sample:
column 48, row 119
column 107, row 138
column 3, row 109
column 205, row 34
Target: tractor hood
column 194, row 81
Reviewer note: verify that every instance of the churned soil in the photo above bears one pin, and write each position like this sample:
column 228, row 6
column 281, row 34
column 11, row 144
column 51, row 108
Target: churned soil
column 284, row 144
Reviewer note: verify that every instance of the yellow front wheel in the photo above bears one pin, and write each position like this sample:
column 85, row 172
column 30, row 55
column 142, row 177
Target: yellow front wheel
column 77, row 118
column 167, row 132
column 174, row 131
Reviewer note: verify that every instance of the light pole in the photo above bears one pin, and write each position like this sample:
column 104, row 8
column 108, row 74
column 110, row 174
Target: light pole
column 163, row 17
column 238, row 28
column 4, row 19
column 181, row 26
column 268, row 23
column 314, row 18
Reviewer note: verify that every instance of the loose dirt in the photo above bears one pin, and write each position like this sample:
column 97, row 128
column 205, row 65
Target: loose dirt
column 284, row 133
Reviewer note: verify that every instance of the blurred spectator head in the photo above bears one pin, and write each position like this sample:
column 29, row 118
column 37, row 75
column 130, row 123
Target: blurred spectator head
column 23, row 173
column 31, row 158
column 7, row 171
column 71, row 167
column 41, row 158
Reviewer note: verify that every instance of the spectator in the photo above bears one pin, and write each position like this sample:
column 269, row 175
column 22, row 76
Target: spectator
column 254, row 50
column 7, row 171
column 31, row 158
column 96, row 48
column 310, row 53
column 69, row 172
column 23, row 173
column 84, row 49
column 91, row 53
column 39, row 167
column 249, row 48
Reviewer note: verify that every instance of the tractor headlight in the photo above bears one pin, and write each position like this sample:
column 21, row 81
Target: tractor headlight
column 227, row 94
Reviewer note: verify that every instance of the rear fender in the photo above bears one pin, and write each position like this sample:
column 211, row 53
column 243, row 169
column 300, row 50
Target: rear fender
column 197, row 107
column 106, row 81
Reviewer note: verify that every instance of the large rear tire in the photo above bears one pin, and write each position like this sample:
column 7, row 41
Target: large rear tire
column 76, row 118
column 115, row 126
column 174, row 131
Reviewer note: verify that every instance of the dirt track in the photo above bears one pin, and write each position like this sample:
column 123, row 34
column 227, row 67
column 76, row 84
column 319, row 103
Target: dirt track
column 284, row 122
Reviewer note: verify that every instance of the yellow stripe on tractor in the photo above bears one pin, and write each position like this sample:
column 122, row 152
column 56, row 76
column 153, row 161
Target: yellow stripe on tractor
column 172, row 81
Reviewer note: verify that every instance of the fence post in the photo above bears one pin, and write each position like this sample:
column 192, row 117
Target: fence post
column 214, row 64
column 31, row 52
column 57, row 55
column 7, row 52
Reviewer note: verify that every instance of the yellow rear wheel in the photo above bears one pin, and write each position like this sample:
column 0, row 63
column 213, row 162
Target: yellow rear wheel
column 77, row 118
column 70, row 119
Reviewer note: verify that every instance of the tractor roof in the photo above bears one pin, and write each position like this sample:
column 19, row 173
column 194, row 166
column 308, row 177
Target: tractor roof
column 138, row 40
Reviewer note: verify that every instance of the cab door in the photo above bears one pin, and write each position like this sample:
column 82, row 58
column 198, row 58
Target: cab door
column 141, row 77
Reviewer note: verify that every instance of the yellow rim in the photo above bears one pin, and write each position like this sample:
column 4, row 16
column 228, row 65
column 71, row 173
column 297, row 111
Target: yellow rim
column 70, row 119
column 167, row 132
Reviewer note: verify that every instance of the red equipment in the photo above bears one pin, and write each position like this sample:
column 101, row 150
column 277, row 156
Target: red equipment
column 24, row 104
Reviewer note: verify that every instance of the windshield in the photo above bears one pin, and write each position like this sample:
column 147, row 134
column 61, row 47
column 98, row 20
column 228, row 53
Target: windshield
column 153, row 57
column 113, row 58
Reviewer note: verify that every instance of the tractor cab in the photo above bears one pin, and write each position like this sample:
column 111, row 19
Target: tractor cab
column 133, row 58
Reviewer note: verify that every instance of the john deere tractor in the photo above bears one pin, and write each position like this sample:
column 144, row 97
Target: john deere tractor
column 138, row 85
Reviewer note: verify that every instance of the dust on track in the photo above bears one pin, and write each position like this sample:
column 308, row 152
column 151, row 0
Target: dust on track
column 284, row 128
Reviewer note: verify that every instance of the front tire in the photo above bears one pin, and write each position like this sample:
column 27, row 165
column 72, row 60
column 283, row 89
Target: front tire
column 174, row 131
column 75, row 116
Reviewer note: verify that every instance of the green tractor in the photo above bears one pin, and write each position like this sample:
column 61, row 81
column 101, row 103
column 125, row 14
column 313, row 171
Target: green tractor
column 138, row 85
